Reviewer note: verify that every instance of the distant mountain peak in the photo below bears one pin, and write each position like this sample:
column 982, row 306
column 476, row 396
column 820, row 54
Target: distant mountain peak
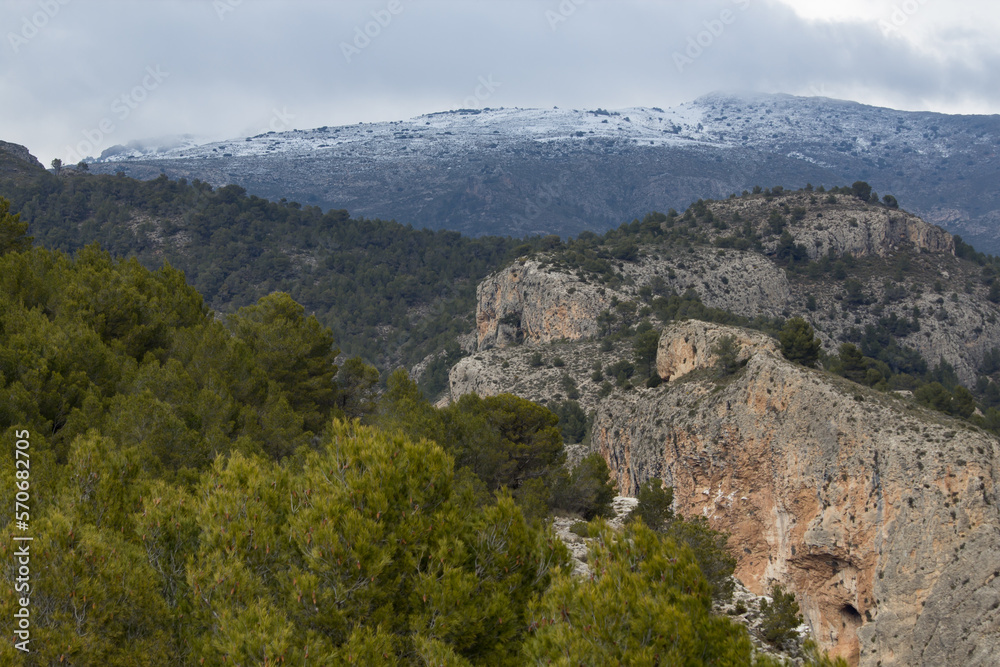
column 517, row 171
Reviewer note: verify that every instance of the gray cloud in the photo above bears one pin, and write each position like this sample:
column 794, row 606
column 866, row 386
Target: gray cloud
column 228, row 68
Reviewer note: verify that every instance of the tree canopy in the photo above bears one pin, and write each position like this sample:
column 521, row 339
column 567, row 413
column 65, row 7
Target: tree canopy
column 390, row 293
column 799, row 343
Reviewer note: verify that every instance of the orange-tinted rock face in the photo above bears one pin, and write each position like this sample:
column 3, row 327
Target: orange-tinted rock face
column 690, row 346
column 526, row 303
column 883, row 518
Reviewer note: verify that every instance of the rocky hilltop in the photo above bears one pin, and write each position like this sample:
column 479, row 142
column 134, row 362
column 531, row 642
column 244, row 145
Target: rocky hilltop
column 880, row 514
column 523, row 303
column 16, row 159
column 893, row 266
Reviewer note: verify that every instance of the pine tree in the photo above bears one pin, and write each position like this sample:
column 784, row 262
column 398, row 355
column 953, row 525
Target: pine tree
column 799, row 343
column 296, row 351
column 644, row 347
column 655, row 506
column 780, row 617
column 13, row 233
column 726, row 354
column 646, row 603
column 861, row 190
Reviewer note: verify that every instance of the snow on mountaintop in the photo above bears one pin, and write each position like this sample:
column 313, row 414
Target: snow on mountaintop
column 471, row 128
column 717, row 119
column 526, row 171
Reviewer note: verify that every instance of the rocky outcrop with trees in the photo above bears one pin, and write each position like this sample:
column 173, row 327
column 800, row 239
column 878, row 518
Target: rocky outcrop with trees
column 820, row 387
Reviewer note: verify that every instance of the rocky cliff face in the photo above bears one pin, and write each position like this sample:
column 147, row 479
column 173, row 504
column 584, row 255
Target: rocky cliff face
column 513, row 370
column 527, row 303
column 690, row 346
column 15, row 158
column 882, row 517
column 846, row 225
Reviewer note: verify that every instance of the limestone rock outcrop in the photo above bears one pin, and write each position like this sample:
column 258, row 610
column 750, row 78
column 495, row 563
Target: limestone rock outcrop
column 883, row 517
column 690, row 346
column 524, row 302
column 850, row 226
column 911, row 275
column 20, row 158
column 511, row 370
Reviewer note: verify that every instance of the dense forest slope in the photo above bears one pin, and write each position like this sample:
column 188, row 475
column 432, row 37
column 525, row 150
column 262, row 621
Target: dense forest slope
column 391, row 293
column 195, row 495
column 541, row 171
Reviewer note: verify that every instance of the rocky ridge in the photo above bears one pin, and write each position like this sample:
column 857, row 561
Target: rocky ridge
column 881, row 515
column 690, row 346
column 522, row 303
column 904, row 268
column 15, row 158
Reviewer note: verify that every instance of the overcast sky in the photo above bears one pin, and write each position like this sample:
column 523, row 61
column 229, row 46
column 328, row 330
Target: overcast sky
column 79, row 73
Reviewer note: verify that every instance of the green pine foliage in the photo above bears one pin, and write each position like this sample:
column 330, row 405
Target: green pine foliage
column 726, row 353
column 13, row 233
column 711, row 551
column 196, row 501
column 503, row 440
column 645, row 604
column 588, row 489
column 779, row 617
column 645, row 345
column 296, row 351
column 390, row 293
column 799, row 343
column 574, row 424
column 708, row 546
column 655, row 507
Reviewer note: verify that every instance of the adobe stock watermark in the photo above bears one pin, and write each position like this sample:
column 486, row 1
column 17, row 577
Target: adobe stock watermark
column 223, row 7
column 363, row 35
column 121, row 108
column 280, row 120
column 900, row 16
column 487, row 86
column 30, row 26
column 704, row 39
column 565, row 9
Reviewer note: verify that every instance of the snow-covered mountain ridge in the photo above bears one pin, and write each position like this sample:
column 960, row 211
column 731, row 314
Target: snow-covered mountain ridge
column 520, row 171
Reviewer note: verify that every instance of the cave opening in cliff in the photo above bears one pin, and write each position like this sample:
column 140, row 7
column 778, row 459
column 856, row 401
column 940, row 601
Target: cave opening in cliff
column 850, row 616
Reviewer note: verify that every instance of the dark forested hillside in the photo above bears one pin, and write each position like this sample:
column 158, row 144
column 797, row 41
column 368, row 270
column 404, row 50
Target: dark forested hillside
column 390, row 293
